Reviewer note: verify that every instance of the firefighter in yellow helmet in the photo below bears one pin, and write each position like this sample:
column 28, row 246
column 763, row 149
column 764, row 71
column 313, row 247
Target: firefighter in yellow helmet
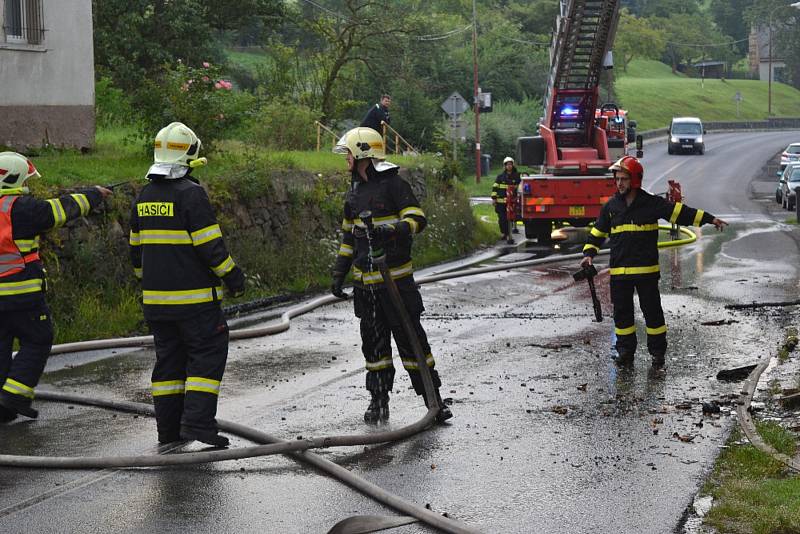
column 178, row 252
column 377, row 187
column 24, row 314
column 631, row 218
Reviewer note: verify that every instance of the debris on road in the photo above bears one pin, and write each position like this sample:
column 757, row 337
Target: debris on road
column 720, row 322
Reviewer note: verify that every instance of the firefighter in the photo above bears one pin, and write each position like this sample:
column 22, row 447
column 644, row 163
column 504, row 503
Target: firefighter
column 377, row 187
column 377, row 114
column 178, row 252
column 24, row 314
column 630, row 218
column 509, row 176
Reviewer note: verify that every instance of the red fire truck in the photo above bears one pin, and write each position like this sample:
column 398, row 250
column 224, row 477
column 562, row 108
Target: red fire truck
column 578, row 138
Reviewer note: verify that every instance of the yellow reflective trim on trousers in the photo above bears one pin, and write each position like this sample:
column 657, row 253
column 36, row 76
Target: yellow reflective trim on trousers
column 675, row 212
column 137, row 272
column 698, row 217
column 412, row 210
column 634, row 228
column 345, row 250
column 659, row 330
column 82, row 202
column 384, row 363
column 165, row 237
column 18, row 388
column 347, row 225
column 20, row 288
column 597, row 233
column 168, row 387
column 635, row 270
column 412, row 363
column 187, row 296
column 375, row 277
column 135, row 239
column 625, row 331
column 587, row 246
column 205, row 385
column 224, row 268
column 59, row 215
column 412, row 224
column 204, row 235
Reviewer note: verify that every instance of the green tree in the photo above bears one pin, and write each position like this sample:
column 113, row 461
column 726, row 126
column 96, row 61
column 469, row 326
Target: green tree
column 636, row 37
column 692, row 37
column 786, row 32
column 728, row 16
column 668, row 8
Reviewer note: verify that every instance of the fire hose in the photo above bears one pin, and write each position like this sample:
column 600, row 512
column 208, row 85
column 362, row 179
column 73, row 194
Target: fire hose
column 298, row 449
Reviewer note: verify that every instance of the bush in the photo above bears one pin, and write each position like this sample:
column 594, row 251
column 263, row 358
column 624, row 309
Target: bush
column 501, row 128
column 196, row 96
column 112, row 107
column 283, row 125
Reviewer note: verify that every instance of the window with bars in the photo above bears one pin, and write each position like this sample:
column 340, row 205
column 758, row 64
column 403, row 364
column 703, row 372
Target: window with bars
column 23, row 21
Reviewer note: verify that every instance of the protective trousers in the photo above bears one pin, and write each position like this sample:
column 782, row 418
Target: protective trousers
column 502, row 217
column 650, row 303
column 379, row 322
column 34, row 330
column 190, row 361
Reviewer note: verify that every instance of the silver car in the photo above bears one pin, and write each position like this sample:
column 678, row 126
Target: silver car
column 790, row 155
column 789, row 182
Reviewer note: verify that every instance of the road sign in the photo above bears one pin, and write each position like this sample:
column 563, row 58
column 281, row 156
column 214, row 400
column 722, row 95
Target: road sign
column 455, row 105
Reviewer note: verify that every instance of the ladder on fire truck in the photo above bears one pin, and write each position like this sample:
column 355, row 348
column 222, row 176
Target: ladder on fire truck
column 584, row 32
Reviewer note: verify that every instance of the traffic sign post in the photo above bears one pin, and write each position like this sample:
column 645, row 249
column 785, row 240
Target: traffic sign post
column 455, row 106
column 738, row 98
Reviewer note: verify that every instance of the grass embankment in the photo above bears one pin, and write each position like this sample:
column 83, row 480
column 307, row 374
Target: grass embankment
column 653, row 95
column 94, row 294
column 753, row 493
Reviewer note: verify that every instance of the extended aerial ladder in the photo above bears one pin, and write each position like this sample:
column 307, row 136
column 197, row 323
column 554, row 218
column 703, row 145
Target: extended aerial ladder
column 572, row 148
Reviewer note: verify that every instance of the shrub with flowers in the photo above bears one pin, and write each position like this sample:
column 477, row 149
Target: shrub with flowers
column 197, row 96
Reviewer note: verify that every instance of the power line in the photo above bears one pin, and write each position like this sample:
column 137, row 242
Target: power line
column 326, row 10
column 697, row 45
column 451, row 33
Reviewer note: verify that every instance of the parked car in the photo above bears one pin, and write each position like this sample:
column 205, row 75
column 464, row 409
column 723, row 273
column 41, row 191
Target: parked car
column 790, row 155
column 790, row 180
column 686, row 135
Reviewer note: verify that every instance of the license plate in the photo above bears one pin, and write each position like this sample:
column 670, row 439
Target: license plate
column 577, row 211
column 687, row 146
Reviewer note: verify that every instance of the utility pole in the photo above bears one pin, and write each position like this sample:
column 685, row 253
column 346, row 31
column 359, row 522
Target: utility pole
column 476, row 92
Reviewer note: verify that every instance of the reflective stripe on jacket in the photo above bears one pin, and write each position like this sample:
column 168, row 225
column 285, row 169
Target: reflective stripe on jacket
column 633, row 232
column 177, row 250
column 501, row 183
column 22, row 219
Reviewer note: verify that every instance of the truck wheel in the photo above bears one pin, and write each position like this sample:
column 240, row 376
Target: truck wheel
column 530, row 229
column 543, row 231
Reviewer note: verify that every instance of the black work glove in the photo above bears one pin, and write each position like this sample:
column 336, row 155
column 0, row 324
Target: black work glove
column 336, row 286
column 359, row 232
column 384, row 232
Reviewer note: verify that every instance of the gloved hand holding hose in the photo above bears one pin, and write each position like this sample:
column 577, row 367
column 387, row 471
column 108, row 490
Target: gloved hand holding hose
column 336, row 286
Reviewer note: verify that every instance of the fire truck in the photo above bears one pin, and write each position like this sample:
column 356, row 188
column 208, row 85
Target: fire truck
column 578, row 138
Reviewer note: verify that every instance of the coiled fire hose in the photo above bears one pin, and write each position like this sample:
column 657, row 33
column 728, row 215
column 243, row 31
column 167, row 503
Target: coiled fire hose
column 271, row 445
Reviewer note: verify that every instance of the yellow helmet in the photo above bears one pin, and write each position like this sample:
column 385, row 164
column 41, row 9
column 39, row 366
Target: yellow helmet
column 14, row 170
column 362, row 143
column 176, row 144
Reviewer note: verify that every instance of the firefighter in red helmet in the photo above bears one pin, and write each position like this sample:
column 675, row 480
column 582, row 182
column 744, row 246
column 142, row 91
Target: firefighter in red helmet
column 630, row 219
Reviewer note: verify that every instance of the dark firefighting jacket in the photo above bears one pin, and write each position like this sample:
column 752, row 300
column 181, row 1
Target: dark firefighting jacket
column 633, row 231
column 22, row 219
column 501, row 183
column 178, row 252
column 391, row 202
column 374, row 116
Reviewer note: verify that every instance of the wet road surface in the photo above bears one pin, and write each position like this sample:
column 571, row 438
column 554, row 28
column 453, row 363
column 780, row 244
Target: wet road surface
column 548, row 436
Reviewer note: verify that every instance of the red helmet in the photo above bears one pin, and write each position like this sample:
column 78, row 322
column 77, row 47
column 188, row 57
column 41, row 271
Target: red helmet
column 632, row 166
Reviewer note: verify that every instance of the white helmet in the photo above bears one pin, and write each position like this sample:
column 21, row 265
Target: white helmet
column 362, row 143
column 176, row 144
column 14, row 170
column 508, row 159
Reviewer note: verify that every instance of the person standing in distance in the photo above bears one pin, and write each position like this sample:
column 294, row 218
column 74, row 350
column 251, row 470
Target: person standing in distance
column 631, row 217
column 509, row 176
column 24, row 314
column 178, row 252
column 377, row 187
column 377, row 114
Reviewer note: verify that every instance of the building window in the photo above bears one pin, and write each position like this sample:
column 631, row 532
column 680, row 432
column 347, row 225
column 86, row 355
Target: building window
column 23, row 21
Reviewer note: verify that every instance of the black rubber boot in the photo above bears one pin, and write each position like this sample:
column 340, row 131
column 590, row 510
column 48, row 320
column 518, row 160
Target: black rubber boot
column 6, row 415
column 624, row 359
column 515, row 230
column 205, row 436
column 444, row 411
column 22, row 408
column 658, row 360
column 378, row 409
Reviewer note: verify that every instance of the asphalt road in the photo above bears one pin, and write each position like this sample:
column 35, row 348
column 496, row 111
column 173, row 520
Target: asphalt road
column 547, row 436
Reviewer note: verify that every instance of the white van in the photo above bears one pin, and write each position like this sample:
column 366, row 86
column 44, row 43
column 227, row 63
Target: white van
column 686, row 135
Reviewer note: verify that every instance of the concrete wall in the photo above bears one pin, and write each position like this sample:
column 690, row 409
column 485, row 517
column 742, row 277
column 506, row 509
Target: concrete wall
column 47, row 89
